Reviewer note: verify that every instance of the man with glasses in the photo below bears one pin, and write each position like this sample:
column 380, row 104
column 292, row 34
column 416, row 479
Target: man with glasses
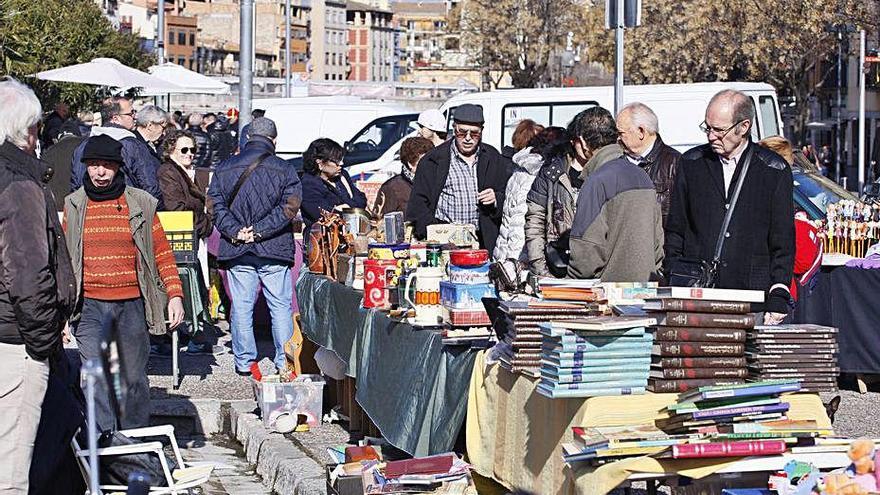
column 461, row 181
column 121, row 123
column 758, row 250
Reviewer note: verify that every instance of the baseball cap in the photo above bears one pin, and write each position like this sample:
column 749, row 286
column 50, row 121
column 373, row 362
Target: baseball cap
column 433, row 119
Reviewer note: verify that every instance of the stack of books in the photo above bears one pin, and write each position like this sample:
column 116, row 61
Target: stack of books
column 516, row 327
column 605, row 444
column 804, row 352
column 700, row 337
column 600, row 355
column 724, row 409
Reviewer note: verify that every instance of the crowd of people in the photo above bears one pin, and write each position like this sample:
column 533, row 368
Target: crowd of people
column 602, row 198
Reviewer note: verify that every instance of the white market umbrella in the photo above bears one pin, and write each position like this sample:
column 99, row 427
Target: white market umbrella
column 105, row 72
column 184, row 81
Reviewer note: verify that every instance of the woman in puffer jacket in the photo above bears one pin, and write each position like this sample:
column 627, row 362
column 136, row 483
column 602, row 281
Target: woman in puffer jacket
column 528, row 162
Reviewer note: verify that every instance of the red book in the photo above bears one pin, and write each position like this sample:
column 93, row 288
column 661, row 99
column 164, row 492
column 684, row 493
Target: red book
column 728, row 449
column 437, row 464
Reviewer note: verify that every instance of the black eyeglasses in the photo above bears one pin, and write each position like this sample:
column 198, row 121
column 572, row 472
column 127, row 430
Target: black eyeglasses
column 130, row 114
column 707, row 129
column 186, row 151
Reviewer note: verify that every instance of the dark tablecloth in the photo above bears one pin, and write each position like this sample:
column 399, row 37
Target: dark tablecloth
column 849, row 299
column 413, row 388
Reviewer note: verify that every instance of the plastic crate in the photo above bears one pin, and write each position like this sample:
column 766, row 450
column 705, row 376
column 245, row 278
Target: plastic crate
column 304, row 395
column 180, row 231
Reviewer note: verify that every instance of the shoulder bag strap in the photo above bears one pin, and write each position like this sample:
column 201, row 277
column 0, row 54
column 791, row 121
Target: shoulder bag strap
column 745, row 159
column 244, row 177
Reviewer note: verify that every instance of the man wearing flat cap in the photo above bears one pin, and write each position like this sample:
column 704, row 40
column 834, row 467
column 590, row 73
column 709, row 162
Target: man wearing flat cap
column 126, row 277
column 461, row 181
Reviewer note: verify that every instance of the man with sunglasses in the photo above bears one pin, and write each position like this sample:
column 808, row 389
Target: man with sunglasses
column 140, row 165
column 758, row 249
column 461, row 181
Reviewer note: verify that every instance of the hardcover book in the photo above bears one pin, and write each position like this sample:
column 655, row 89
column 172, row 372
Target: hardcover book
column 690, row 373
column 729, row 449
column 735, row 295
column 707, row 320
column 678, row 386
column 696, row 349
column 700, row 362
column 697, row 306
column 697, row 334
column 564, row 394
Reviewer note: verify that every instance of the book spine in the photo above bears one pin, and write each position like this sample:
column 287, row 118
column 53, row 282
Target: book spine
column 702, row 362
column 604, row 385
column 705, row 306
column 673, row 386
column 685, row 334
column 641, row 367
column 560, row 394
column 709, row 320
column 577, row 361
column 576, row 348
column 691, row 373
column 695, row 349
column 739, row 411
column 746, row 392
column 590, row 378
column 728, row 449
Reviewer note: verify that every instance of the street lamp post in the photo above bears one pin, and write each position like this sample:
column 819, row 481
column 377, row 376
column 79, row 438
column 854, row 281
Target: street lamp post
column 245, row 63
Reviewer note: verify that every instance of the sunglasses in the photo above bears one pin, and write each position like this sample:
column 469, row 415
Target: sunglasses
column 463, row 133
column 187, row 151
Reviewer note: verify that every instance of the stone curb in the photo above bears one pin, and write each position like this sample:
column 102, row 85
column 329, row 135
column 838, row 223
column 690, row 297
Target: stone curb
column 285, row 468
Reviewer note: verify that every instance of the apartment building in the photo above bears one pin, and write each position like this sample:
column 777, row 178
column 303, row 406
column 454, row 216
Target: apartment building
column 371, row 43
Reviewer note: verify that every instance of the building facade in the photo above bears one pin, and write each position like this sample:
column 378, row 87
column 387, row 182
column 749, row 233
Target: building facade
column 371, row 43
column 329, row 41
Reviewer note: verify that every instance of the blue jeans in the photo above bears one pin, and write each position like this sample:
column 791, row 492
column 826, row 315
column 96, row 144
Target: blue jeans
column 246, row 273
column 127, row 318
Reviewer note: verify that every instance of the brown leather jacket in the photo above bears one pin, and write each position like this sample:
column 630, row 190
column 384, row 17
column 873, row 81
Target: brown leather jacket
column 661, row 164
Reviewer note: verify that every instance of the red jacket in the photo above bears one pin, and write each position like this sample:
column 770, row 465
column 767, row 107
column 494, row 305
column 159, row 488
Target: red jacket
column 807, row 253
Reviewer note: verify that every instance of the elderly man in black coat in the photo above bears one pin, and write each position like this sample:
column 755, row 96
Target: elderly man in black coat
column 461, row 181
column 758, row 252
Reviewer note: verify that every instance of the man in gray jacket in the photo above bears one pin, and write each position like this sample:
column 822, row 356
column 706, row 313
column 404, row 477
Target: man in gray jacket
column 617, row 233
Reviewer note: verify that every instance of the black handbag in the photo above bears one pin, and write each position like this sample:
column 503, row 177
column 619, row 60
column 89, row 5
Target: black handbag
column 695, row 272
column 557, row 255
column 116, row 469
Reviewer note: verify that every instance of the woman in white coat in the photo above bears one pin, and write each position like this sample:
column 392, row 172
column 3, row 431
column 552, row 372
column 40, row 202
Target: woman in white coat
column 527, row 162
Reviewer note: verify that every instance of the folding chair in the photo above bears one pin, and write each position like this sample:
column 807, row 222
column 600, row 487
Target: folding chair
column 181, row 480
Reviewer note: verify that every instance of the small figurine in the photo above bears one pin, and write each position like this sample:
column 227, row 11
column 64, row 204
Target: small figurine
column 860, row 477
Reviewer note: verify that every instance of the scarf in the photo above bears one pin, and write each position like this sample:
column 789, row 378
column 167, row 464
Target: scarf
column 407, row 173
column 113, row 191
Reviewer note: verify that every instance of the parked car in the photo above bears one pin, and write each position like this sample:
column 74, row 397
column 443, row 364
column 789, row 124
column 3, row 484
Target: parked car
column 813, row 192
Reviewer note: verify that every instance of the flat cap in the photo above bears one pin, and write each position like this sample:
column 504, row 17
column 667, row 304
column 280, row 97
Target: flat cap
column 469, row 114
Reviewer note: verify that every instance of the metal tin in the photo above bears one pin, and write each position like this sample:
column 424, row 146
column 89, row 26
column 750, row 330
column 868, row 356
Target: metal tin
column 433, row 252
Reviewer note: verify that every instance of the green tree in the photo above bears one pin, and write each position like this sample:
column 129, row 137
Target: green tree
column 47, row 34
column 519, row 37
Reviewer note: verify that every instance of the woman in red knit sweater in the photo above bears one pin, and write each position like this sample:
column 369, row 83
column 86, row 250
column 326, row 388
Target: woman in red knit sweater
column 126, row 277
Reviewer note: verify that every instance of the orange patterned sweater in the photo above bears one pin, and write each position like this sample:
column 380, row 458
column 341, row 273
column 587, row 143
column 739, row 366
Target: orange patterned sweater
column 110, row 255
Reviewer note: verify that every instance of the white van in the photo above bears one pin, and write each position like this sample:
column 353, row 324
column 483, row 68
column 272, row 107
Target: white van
column 680, row 108
column 302, row 120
